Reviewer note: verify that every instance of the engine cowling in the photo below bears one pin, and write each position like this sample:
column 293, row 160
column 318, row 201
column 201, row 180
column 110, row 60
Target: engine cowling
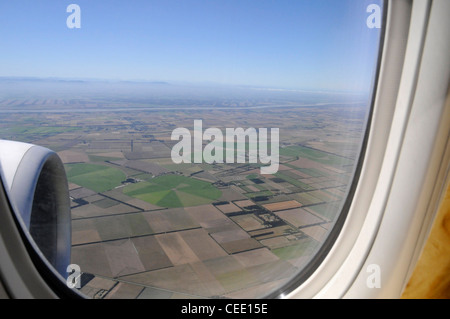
column 36, row 183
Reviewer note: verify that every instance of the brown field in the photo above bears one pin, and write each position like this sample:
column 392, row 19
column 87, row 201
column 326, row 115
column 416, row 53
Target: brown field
column 298, row 217
column 83, row 231
column 182, row 279
column 282, row 205
column 202, row 244
column 255, row 257
column 244, row 203
column 88, row 211
column 92, row 210
column 316, row 232
column 204, row 213
column 248, row 222
column 73, row 186
column 92, row 259
column 213, row 286
column 219, row 225
column 176, row 249
column 223, row 265
column 69, row 156
column 123, row 258
column 232, row 194
column 230, row 235
column 228, row 208
column 275, row 242
column 122, row 226
column 151, row 253
column 236, row 246
column 169, row 220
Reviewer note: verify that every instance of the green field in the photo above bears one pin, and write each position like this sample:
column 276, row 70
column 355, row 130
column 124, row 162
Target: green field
column 98, row 178
column 315, row 155
column 174, row 191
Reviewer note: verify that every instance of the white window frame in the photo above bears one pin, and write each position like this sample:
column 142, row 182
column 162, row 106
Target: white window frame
column 406, row 162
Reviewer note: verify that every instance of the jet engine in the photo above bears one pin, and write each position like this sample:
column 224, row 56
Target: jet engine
column 36, row 183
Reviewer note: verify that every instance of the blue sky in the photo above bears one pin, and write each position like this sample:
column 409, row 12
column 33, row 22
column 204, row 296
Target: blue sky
column 296, row 44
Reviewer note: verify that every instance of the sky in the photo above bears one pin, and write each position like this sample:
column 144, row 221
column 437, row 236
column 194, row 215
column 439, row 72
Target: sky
column 322, row 45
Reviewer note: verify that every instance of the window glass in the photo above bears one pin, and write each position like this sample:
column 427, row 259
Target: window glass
column 209, row 146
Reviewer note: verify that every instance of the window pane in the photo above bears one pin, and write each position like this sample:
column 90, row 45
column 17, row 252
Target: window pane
column 209, row 146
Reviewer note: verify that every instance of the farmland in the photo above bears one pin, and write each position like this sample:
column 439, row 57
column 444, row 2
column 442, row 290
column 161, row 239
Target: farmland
column 174, row 191
column 145, row 227
column 98, row 178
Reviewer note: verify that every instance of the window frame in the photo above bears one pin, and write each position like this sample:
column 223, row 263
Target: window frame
column 325, row 248
column 413, row 76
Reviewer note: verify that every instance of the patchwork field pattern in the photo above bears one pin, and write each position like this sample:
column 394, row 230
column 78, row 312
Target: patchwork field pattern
column 144, row 227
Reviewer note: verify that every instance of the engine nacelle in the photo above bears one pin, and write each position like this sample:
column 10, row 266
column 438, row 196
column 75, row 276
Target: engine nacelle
column 36, row 182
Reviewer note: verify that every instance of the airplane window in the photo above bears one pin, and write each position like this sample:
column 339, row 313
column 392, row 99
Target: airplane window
column 209, row 146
